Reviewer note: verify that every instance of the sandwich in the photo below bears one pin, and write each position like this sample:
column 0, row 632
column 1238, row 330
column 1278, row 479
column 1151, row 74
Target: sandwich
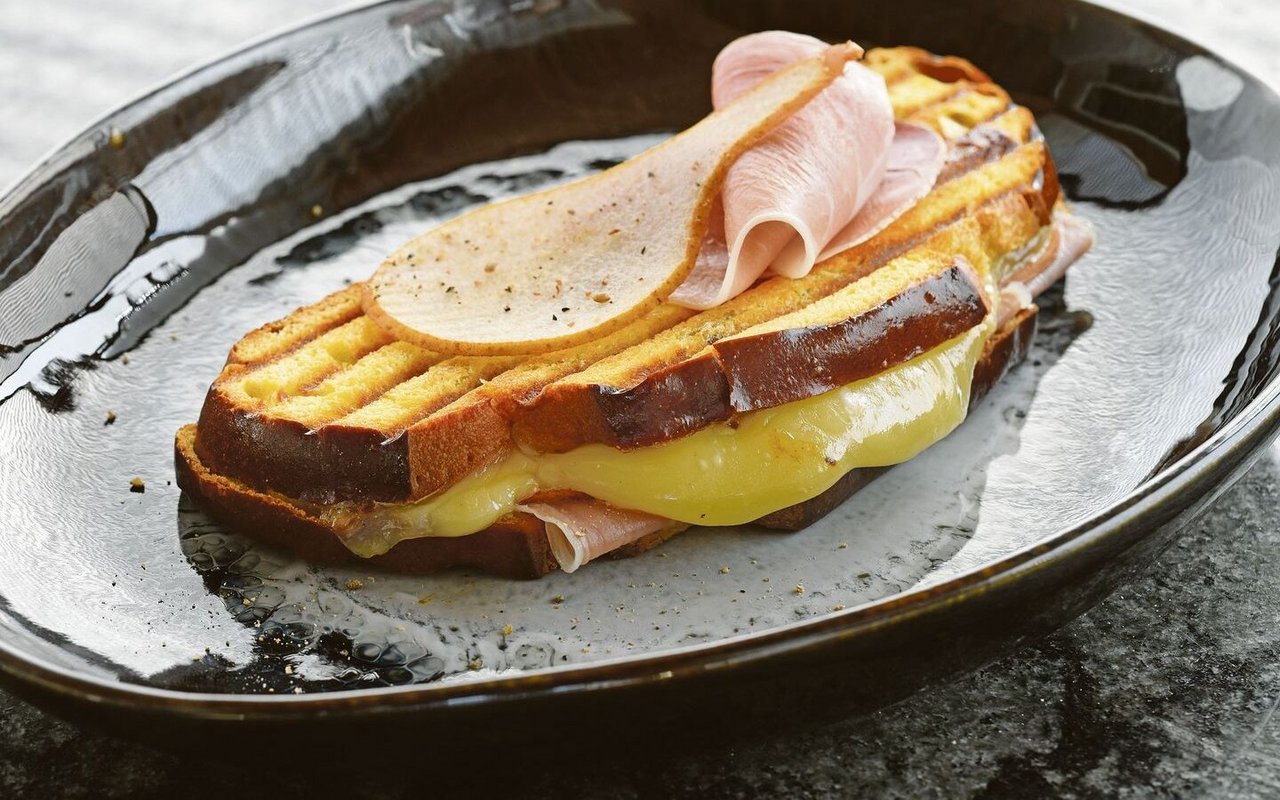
column 745, row 324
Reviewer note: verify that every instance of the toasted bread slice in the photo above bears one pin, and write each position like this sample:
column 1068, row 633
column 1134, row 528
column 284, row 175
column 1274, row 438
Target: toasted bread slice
column 516, row 546
column 324, row 405
column 907, row 306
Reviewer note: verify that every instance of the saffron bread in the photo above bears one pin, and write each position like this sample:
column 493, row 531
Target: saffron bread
column 325, row 405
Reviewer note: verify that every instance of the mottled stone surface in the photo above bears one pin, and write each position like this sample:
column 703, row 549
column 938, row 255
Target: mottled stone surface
column 1168, row 688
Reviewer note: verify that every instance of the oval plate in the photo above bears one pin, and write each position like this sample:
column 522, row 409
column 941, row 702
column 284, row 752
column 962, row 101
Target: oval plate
column 134, row 256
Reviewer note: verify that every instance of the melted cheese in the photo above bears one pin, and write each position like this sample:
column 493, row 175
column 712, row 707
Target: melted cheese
column 726, row 474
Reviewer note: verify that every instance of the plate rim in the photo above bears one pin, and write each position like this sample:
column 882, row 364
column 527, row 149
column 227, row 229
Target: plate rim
column 1197, row 476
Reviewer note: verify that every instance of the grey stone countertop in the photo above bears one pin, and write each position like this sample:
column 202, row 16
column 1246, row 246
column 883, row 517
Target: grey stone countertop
column 1169, row 688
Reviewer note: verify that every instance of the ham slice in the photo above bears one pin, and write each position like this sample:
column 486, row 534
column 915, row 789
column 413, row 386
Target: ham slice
column 582, row 528
column 1069, row 239
column 832, row 176
column 1075, row 237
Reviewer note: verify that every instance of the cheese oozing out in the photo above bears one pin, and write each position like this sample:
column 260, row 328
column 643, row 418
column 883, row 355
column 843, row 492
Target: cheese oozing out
column 725, row 474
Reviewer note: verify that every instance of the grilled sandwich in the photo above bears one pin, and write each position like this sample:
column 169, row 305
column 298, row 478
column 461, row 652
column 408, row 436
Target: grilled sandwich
column 334, row 434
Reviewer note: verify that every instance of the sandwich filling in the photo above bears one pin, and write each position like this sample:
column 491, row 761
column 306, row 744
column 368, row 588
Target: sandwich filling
column 725, row 474
column 762, row 403
column 733, row 472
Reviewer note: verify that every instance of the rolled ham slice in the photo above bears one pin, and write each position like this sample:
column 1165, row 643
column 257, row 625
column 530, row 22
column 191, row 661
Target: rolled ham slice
column 916, row 157
column 832, row 176
column 580, row 529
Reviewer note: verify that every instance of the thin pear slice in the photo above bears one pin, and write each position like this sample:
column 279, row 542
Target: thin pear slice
column 556, row 268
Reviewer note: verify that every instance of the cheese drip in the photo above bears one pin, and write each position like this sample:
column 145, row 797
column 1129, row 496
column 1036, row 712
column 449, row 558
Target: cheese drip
column 726, row 474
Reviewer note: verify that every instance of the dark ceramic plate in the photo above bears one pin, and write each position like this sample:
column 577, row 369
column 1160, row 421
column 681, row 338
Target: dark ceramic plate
column 136, row 254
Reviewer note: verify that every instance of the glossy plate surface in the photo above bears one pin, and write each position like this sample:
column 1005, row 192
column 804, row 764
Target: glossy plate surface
column 137, row 254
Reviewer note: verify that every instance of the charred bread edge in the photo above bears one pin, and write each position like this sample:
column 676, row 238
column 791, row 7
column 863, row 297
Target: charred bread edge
column 233, row 441
column 748, row 373
column 806, row 362
column 516, row 546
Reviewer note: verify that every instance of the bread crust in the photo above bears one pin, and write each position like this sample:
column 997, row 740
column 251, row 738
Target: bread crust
column 670, row 402
column 354, row 461
column 766, row 371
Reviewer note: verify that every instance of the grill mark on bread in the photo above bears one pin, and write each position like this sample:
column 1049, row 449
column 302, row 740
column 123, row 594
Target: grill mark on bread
column 282, row 336
column 310, row 363
column 356, row 385
column 968, row 108
column 896, row 63
column 456, row 430
column 416, row 398
column 917, row 92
